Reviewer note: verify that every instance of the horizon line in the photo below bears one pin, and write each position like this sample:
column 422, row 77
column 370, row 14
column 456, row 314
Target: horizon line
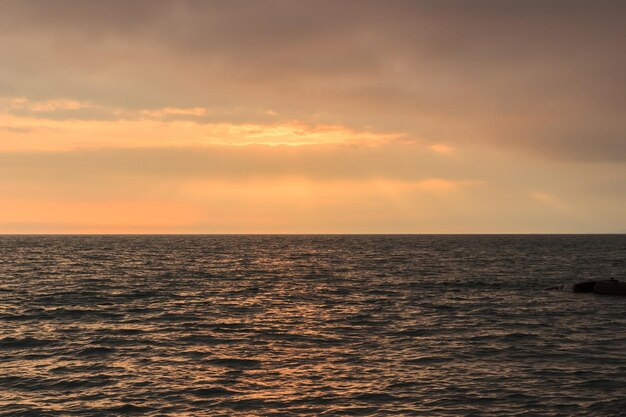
column 323, row 234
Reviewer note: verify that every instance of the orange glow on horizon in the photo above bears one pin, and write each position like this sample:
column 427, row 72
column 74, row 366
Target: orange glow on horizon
column 260, row 206
column 68, row 216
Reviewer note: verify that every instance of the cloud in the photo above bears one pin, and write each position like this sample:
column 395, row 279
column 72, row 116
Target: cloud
column 316, row 162
column 390, row 188
column 550, row 200
column 525, row 75
column 441, row 148
column 167, row 111
column 41, row 106
column 168, row 127
column 315, row 115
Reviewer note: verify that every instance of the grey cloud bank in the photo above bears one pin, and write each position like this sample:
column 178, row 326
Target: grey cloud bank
column 542, row 77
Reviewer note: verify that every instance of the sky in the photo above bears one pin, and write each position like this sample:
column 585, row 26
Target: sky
column 312, row 116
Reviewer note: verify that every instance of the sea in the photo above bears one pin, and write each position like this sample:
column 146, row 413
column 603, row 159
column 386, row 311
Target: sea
column 310, row 325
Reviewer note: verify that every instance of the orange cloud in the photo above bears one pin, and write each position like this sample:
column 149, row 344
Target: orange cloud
column 441, row 148
column 42, row 106
column 439, row 185
column 550, row 200
column 166, row 111
column 292, row 133
column 45, row 134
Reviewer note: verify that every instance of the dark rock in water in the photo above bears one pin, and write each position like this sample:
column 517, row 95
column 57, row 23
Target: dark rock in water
column 610, row 287
column 586, row 286
column 604, row 287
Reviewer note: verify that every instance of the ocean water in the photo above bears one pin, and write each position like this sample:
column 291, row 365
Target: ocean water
column 310, row 325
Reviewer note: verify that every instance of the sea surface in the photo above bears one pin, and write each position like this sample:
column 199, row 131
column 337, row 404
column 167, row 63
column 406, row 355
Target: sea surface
column 332, row 325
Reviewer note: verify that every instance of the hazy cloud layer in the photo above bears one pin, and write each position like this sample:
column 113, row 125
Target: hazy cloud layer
column 399, row 188
column 312, row 116
column 543, row 77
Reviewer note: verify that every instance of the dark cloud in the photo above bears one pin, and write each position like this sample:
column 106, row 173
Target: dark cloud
column 541, row 76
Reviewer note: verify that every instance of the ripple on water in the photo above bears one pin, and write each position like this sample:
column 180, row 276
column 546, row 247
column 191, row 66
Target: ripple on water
column 309, row 325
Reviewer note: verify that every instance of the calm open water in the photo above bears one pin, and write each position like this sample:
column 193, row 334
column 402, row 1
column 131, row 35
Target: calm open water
column 310, row 325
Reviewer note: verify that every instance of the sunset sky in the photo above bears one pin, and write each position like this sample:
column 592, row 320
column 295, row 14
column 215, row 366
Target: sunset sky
column 312, row 116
